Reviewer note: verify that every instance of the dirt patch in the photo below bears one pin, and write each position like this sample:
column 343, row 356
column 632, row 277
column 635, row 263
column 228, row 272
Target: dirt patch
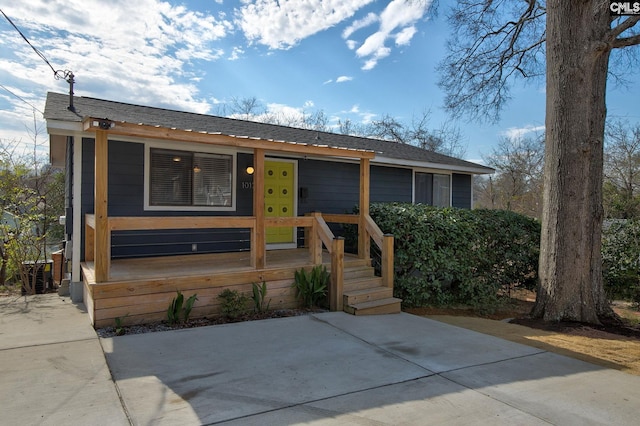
column 613, row 345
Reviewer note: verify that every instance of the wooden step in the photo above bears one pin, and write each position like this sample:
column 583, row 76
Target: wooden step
column 361, row 271
column 361, row 284
column 376, row 307
column 366, row 295
column 354, row 262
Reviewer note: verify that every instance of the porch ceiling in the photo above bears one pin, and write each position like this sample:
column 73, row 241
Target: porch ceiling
column 157, row 132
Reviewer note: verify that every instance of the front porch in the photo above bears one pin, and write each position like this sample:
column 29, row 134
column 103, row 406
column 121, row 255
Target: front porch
column 140, row 290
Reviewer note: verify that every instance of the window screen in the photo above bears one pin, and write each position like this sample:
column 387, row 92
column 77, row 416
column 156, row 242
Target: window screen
column 180, row 178
column 424, row 188
column 212, row 177
column 432, row 189
column 441, row 197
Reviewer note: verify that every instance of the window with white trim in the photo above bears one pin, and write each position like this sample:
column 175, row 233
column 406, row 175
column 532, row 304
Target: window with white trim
column 433, row 189
column 182, row 178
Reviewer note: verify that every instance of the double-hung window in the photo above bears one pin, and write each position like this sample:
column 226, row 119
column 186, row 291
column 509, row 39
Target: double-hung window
column 183, row 179
column 433, row 189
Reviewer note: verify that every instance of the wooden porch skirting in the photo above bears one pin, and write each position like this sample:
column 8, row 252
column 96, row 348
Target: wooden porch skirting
column 140, row 290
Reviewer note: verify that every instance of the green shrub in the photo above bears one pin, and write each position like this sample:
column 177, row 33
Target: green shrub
column 621, row 260
column 448, row 256
column 173, row 312
column 176, row 308
column 233, row 303
column 260, row 305
column 120, row 330
column 311, row 289
column 188, row 306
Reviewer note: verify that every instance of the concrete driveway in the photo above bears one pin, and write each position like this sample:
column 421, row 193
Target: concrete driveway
column 329, row 368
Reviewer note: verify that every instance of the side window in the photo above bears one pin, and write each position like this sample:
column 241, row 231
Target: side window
column 433, row 189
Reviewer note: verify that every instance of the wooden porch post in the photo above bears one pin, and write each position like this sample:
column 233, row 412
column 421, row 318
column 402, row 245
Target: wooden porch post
column 258, row 242
column 337, row 275
column 102, row 251
column 314, row 241
column 364, row 241
column 387, row 266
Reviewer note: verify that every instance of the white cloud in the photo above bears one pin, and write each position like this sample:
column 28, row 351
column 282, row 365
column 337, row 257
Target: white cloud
column 367, row 117
column 282, row 24
column 404, row 37
column 343, row 78
column 361, row 117
column 370, row 19
column 517, row 133
column 236, row 53
column 397, row 22
column 141, row 52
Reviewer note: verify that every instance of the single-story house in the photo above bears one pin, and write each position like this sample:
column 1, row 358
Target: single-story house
column 162, row 200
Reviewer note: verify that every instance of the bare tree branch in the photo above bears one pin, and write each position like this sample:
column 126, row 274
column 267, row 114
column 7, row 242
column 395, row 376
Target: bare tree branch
column 624, row 26
column 626, row 42
column 495, row 42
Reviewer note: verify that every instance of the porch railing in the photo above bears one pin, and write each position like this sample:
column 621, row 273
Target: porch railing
column 318, row 234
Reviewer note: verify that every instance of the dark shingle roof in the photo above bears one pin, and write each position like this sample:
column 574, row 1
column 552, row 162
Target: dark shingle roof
column 57, row 103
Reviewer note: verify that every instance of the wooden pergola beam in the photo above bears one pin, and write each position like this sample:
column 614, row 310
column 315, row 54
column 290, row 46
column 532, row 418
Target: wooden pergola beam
column 165, row 133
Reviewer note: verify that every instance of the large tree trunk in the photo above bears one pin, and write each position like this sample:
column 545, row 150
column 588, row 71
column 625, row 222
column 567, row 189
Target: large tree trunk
column 570, row 286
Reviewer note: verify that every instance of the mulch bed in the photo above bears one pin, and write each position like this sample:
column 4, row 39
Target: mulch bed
column 202, row 322
column 517, row 312
column 609, row 325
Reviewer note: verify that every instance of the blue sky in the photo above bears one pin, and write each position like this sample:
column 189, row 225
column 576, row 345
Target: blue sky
column 352, row 59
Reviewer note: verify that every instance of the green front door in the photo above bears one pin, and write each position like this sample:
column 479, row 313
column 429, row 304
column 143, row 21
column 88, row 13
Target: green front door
column 279, row 192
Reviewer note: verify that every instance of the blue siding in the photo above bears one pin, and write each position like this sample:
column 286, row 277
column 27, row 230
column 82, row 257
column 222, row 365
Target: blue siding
column 335, row 187
column 330, row 187
column 390, row 184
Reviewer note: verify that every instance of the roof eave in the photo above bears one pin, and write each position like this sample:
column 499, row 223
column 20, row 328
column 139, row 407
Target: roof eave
column 479, row 170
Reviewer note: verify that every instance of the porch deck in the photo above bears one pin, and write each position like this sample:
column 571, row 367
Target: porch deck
column 201, row 264
column 140, row 290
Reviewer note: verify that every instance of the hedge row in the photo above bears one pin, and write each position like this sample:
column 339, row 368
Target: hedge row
column 446, row 256
column 621, row 259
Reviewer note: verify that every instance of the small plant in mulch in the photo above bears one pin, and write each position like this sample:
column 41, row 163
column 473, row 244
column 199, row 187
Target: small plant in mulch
column 311, row 289
column 259, row 298
column 176, row 308
column 120, row 328
column 233, row 303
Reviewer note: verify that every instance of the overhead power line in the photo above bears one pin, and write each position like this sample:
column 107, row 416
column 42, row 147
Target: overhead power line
column 18, row 97
column 58, row 74
column 39, row 53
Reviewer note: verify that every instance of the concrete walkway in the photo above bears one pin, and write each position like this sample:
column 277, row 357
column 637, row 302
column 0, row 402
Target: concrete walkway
column 329, row 368
column 52, row 368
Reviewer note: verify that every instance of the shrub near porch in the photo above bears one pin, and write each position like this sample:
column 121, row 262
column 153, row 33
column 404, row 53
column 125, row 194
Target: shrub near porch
column 455, row 256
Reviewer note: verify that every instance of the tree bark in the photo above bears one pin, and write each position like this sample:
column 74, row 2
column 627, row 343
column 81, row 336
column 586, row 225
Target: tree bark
column 570, row 286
